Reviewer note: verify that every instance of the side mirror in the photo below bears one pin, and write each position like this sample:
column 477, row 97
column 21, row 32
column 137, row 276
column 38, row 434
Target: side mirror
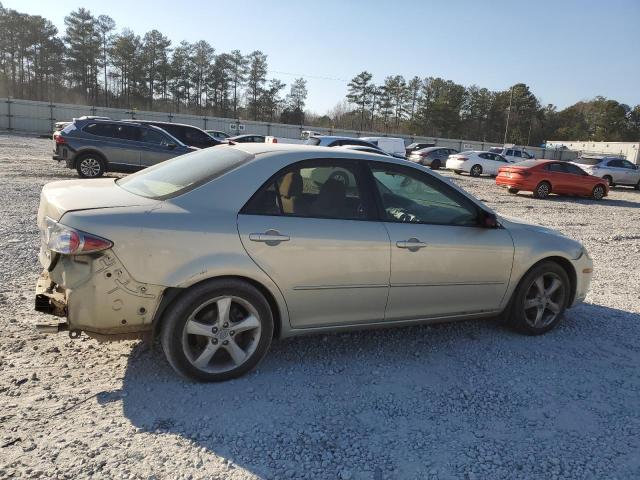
column 489, row 220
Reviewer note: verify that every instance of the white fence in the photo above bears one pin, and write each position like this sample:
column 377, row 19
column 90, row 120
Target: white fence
column 38, row 117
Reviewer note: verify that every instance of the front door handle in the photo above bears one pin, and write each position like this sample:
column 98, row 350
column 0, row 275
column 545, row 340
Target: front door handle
column 270, row 237
column 413, row 244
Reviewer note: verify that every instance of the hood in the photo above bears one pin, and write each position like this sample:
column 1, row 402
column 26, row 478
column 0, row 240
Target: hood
column 518, row 222
column 57, row 198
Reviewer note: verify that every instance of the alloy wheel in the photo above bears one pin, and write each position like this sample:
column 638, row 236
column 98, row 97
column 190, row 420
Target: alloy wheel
column 543, row 190
column 544, row 300
column 476, row 171
column 221, row 334
column 90, row 167
column 598, row 192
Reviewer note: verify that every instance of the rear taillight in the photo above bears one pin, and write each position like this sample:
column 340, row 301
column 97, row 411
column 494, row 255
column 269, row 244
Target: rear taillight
column 69, row 241
column 464, row 159
column 60, row 140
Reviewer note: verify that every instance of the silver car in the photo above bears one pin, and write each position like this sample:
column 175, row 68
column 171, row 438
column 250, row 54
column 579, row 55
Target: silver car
column 615, row 170
column 219, row 251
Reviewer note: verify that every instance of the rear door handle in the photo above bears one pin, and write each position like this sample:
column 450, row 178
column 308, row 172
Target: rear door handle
column 412, row 244
column 270, row 237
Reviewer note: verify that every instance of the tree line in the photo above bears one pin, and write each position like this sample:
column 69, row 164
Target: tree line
column 442, row 108
column 90, row 62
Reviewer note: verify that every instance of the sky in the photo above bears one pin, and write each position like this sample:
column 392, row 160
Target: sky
column 565, row 50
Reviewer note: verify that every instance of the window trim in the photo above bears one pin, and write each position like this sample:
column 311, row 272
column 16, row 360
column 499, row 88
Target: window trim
column 457, row 196
column 366, row 196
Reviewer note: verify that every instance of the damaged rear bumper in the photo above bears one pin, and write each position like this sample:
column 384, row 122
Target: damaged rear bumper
column 96, row 295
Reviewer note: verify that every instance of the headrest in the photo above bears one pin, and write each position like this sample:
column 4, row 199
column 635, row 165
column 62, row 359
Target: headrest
column 291, row 185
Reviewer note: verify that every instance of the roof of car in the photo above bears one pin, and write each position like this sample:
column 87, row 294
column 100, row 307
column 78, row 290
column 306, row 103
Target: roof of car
column 259, row 149
column 159, row 122
column 431, row 149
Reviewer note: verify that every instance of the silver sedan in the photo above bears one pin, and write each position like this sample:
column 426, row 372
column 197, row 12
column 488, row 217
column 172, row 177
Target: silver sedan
column 219, row 251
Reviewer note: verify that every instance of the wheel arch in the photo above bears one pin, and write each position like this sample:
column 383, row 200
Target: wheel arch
column 80, row 154
column 171, row 294
column 565, row 264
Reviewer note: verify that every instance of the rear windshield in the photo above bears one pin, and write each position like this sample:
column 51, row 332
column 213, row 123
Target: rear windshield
column 525, row 163
column 588, row 161
column 312, row 141
column 186, row 172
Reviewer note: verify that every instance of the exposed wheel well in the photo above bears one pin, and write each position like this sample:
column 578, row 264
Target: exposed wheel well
column 172, row 293
column 80, row 155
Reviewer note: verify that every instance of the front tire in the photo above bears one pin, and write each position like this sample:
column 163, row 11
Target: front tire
column 542, row 190
column 598, row 192
column 540, row 299
column 217, row 331
column 476, row 170
column 90, row 166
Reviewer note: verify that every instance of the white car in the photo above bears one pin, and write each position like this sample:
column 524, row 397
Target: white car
column 393, row 145
column 510, row 152
column 477, row 162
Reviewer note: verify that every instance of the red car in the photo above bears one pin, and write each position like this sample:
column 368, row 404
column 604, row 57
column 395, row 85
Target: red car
column 543, row 177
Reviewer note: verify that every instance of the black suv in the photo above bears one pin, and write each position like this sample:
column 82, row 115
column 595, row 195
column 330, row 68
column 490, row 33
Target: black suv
column 187, row 134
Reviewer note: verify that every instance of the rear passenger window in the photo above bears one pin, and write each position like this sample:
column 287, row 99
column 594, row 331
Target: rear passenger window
column 555, row 167
column 126, row 132
column 317, row 190
column 100, row 129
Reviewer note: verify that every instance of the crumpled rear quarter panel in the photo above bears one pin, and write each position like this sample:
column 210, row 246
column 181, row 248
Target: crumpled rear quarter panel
column 102, row 296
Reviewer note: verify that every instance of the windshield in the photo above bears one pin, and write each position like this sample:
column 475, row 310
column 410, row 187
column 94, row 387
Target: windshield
column 588, row 161
column 186, row 172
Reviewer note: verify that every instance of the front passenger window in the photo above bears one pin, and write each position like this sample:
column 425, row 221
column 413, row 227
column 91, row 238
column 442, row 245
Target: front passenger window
column 408, row 197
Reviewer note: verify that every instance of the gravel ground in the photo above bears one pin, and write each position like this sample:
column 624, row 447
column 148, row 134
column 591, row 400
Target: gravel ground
column 464, row 400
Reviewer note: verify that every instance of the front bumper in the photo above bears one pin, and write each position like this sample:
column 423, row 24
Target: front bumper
column 96, row 295
column 584, row 273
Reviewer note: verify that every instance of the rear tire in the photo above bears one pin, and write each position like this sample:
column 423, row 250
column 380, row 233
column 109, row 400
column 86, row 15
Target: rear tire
column 476, row 170
column 598, row 192
column 90, row 165
column 637, row 185
column 435, row 165
column 542, row 190
column 217, row 331
column 513, row 190
column 540, row 299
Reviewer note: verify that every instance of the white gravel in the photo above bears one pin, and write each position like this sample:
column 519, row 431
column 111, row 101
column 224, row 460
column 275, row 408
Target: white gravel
column 465, row 400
